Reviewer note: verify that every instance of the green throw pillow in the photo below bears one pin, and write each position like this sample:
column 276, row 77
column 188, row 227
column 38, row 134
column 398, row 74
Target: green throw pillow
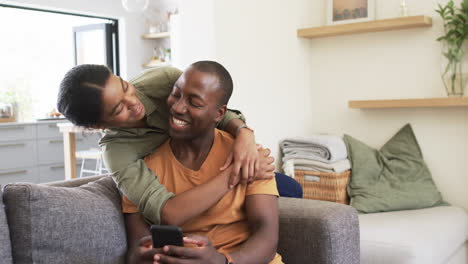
column 392, row 178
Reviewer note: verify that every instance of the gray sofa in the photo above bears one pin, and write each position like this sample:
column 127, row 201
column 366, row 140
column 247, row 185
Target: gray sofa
column 80, row 221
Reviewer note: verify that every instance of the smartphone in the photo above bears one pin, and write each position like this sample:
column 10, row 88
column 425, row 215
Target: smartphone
column 166, row 235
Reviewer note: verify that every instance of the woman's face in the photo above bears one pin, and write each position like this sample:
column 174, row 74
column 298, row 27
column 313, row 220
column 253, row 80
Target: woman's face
column 122, row 108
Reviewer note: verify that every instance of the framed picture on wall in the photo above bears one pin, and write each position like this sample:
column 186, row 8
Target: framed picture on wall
column 350, row 11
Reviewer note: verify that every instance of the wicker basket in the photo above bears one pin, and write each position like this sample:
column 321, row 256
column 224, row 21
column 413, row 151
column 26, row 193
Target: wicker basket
column 324, row 186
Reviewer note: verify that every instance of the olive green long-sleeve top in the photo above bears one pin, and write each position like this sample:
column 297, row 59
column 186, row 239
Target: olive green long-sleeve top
column 124, row 148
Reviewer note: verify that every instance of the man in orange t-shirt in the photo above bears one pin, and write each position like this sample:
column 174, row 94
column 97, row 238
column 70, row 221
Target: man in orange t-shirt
column 243, row 226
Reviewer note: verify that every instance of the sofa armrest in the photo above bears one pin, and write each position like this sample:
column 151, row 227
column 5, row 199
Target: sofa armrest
column 318, row 232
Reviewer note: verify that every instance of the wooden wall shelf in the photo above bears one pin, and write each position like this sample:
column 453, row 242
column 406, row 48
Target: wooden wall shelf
column 365, row 27
column 153, row 64
column 411, row 103
column 157, row 35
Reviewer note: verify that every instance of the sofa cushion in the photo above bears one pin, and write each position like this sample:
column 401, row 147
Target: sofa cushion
column 392, row 178
column 429, row 235
column 5, row 247
column 66, row 225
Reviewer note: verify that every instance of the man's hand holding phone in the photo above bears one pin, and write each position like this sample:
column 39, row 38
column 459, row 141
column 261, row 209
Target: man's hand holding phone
column 164, row 235
column 146, row 248
column 143, row 251
column 202, row 253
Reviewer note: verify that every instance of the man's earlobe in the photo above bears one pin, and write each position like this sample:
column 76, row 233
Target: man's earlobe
column 221, row 112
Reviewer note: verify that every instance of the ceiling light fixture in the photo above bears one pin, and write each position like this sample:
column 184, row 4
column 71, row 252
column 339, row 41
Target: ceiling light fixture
column 135, row 6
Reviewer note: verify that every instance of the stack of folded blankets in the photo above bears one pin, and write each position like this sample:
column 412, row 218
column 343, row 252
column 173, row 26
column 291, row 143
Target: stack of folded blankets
column 320, row 164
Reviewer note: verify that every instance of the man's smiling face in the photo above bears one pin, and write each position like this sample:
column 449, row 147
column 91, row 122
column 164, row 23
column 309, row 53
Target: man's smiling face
column 194, row 104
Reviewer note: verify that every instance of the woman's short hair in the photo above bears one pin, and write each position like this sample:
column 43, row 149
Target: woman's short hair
column 80, row 94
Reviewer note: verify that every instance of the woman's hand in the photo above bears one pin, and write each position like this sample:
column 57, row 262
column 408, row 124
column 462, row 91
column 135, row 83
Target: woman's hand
column 249, row 160
column 266, row 168
column 245, row 158
column 202, row 253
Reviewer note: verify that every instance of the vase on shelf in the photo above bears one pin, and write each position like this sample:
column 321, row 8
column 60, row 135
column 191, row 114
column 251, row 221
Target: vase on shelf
column 454, row 46
column 454, row 79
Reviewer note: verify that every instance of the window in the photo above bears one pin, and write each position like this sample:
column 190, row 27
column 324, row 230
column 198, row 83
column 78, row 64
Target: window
column 93, row 44
column 39, row 46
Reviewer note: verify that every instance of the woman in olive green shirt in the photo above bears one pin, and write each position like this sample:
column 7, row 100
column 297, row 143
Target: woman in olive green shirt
column 135, row 117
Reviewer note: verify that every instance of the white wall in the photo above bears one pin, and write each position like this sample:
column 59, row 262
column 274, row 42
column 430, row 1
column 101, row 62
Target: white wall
column 289, row 86
column 192, row 36
column 133, row 51
column 256, row 41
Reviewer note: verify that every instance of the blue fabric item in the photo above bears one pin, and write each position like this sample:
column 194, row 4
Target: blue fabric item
column 287, row 186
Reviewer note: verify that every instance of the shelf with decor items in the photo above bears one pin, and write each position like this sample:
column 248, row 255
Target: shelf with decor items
column 160, row 56
column 411, row 103
column 366, row 27
column 155, row 63
column 159, row 35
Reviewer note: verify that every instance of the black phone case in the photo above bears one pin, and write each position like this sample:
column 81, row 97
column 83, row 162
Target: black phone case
column 166, row 235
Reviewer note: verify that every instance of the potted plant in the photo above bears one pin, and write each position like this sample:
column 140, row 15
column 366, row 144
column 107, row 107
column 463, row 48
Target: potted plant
column 454, row 40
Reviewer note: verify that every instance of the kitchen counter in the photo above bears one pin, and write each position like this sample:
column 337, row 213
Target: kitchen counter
column 48, row 121
column 34, row 151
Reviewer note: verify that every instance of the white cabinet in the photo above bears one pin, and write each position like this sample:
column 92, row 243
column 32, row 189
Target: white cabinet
column 49, row 130
column 49, row 150
column 17, row 132
column 53, row 172
column 33, row 152
column 19, row 175
column 50, row 173
column 17, row 154
column 87, row 141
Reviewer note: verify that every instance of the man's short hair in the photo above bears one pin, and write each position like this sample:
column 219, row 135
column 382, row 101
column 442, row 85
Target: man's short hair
column 80, row 94
column 224, row 78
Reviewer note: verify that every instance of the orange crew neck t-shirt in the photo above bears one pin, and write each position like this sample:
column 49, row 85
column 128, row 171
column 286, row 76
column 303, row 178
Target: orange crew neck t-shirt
column 225, row 223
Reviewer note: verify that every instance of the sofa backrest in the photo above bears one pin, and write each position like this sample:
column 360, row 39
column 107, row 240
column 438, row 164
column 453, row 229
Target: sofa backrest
column 5, row 245
column 51, row 224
